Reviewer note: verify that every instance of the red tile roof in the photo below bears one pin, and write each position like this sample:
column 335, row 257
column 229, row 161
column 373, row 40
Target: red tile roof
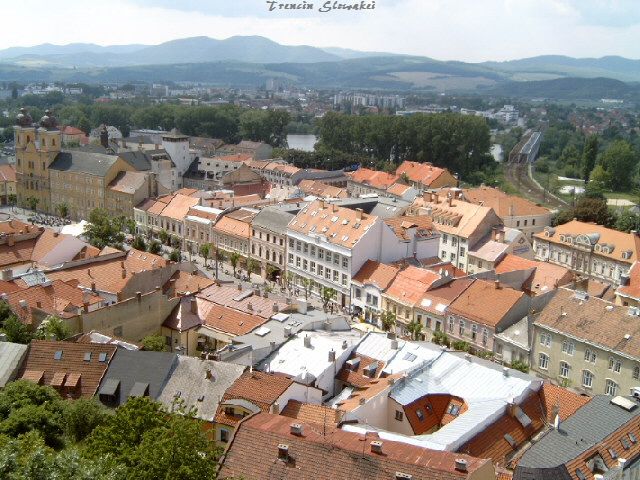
column 423, row 173
column 232, row 321
column 375, row 273
column 74, row 365
column 401, row 225
column 356, row 377
column 7, row 173
column 373, row 178
column 473, row 305
column 318, row 455
column 562, row 400
column 632, row 290
column 410, row 285
column 323, row 416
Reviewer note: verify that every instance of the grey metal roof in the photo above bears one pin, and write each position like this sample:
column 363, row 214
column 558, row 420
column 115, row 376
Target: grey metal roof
column 136, row 366
column 589, row 426
column 196, row 390
column 383, row 207
column 139, row 160
column 11, row 357
column 139, row 389
column 97, row 164
column 273, row 219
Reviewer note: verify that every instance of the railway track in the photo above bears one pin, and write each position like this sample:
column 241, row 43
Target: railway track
column 517, row 174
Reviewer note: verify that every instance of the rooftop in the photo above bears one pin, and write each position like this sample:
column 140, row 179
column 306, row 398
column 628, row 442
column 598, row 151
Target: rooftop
column 375, row 273
column 503, row 204
column 472, row 303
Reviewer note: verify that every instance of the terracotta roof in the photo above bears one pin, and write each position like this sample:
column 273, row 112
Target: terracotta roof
column 313, row 414
column 565, row 401
column 182, row 317
column 13, row 226
column 398, row 189
column 260, row 388
column 373, row 178
column 473, row 305
column 58, row 298
column 186, row 283
column 355, row 376
column 375, row 273
column 491, row 442
column 69, row 130
column 375, row 387
column 238, row 157
column 341, row 226
column 17, row 254
column 338, row 454
column 287, row 169
column 46, row 242
column 423, row 173
column 185, row 191
column 230, row 296
column 618, row 242
column 321, row 189
column 503, row 204
column 460, row 218
column 243, row 174
column 7, row 173
column 75, row 365
column 431, row 412
column 8, row 287
column 236, row 223
column 545, row 276
column 632, row 290
column 410, row 285
column 231, row 321
column 593, row 320
column 179, row 206
column 128, row 182
column 107, row 275
column 401, row 225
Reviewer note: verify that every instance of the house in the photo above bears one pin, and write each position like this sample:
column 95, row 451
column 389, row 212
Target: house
column 588, row 343
column 628, row 293
column 232, row 231
column 514, row 211
column 531, row 276
column 329, row 243
column 598, row 441
column 488, row 251
column 268, row 241
column 135, row 373
column 320, row 189
column 126, row 191
column 255, row 392
column 215, row 168
column 199, row 385
column 424, row 176
column 367, row 288
column 587, row 249
column 402, row 191
column 245, row 181
column 74, row 369
column 482, row 310
column 8, row 184
column 417, row 236
column 268, row 445
column 11, row 357
column 366, row 181
column 461, row 224
column 73, row 135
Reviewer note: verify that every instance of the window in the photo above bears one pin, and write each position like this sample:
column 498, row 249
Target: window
column 445, row 238
column 453, row 409
column 291, row 243
column 313, row 250
column 543, row 361
column 615, row 364
column 587, row 379
column 450, row 324
column 443, row 255
column 328, row 257
column 568, row 347
column 291, row 258
column 485, row 337
column 611, row 388
column 344, row 279
column 420, row 414
column 345, row 262
column 564, row 369
column 590, row 355
column 474, row 332
column 320, row 254
column 461, row 328
column 297, row 261
column 399, row 415
column 636, row 372
column 545, row 339
column 462, row 251
column 224, row 435
column 306, row 248
column 298, row 245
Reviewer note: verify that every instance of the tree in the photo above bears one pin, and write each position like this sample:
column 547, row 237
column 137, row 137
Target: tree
column 620, row 161
column 139, row 243
column 154, row 247
column 589, row 156
column 53, row 328
column 233, row 259
column 32, row 203
column 5, row 312
column 587, row 209
column 163, row 236
column 189, row 247
column 104, row 230
column 306, row 286
column 154, row 343
column 82, row 416
column 16, row 331
column 62, row 209
column 175, row 255
column 205, row 250
column 251, row 266
column 440, row 338
column 388, row 320
column 415, row 329
column 520, row 365
column 627, row 221
column 461, row 346
column 328, row 294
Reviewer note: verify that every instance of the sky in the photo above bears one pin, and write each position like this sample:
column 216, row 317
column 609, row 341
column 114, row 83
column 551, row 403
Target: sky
column 466, row 30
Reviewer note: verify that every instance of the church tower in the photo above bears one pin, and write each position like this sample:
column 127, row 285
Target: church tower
column 36, row 148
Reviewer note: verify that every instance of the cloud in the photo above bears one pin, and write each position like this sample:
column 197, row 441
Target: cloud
column 468, row 30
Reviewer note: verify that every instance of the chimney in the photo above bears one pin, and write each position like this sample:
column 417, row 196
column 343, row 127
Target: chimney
column 272, row 345
column 403, row 476
column 10, row 240
column 93, row 287
column 496, row 284
column 296, row 429
column 208, row 374
column 104, row 137
column 461, row 465
column 124, row 274
column 283, row 452
column 358, row 214
column 494, row 234
column 450, row 201
column 194, row 306
column 275, row 308
column 55, row 234
column 376, row 446
column 505, row 371
column 307, row 341
column 139, row 296
column 332, row 355
column 334, row 208
column 394, row 344
column 171, row 291
column 274, row 409
column 239, row 287
column 287, row 331
column 436, row 198
column 250, row 307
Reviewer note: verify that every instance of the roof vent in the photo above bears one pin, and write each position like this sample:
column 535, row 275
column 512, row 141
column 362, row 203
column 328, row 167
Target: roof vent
column 403, row 476
column 376, row 446
column 332, row 355
column 505, row 371
column 296, row 429
column 623, row 402
column 467, row 356
column 394, row 344
column 461, row 465
column 307, row 341
column 287, row 331
column 344, row 344
column 609, row 308
column 283, row 451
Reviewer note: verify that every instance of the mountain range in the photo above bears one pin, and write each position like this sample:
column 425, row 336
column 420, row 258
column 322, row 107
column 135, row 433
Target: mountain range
column 250, row 60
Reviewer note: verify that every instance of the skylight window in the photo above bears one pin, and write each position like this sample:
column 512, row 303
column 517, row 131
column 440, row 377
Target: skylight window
column 454, row 409
column 410, row 357
column 613, row 453
column 102, row 357
column 87, row 356
column 57, row 355
column 625, row 443
column 334, row 219
column 420, row 415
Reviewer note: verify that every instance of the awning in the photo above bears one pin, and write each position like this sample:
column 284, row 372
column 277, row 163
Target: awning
column 109, row 387
column 58, row 379
column 73, row 380
column 33, row 375
column 139, row 389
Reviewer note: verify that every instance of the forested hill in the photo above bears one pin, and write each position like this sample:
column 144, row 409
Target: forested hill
column 571, row 89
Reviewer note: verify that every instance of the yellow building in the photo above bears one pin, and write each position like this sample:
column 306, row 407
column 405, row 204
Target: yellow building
column 7, row 184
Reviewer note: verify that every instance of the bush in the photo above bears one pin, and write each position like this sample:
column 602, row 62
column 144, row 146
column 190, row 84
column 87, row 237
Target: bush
column 520, row 365
column 81, row 417
column 461, row 346
column 440, row 338
column 154, row 343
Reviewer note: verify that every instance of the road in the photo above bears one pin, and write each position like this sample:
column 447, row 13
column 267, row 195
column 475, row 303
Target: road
column 517, row 174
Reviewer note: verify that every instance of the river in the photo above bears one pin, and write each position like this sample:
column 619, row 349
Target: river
column 302, row 142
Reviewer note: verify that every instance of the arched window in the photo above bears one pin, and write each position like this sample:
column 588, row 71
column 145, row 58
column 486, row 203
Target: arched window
column 543, row 361
column 564, row 369
column 611, row 388
column 587, row 379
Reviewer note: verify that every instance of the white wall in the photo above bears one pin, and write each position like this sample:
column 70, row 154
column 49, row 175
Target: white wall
column 300, row 393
